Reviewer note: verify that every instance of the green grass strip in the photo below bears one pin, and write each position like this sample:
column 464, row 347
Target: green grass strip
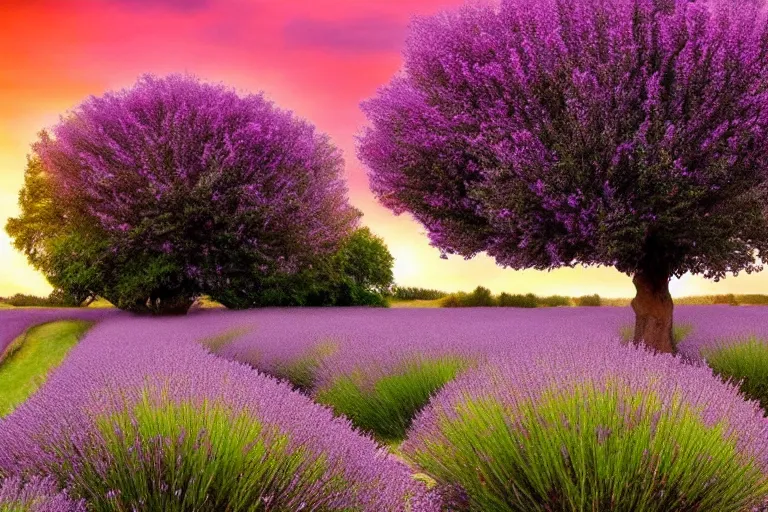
column 42, row 349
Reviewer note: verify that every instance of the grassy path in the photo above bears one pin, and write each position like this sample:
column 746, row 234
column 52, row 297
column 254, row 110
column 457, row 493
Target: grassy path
column 32, row 356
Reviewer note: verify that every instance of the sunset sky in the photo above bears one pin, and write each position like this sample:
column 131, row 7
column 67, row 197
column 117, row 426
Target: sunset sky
column 319, row 58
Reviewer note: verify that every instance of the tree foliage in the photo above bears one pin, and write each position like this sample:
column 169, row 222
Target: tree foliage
column 357, row 274
column 549, row 133
column 415, row 293
column 153, row 195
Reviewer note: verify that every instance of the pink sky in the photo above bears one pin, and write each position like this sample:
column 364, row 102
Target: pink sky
column 319, row 58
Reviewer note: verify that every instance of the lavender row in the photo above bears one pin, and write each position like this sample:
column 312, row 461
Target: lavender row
column 378, row 340
column 517, row 431
column 122, row 357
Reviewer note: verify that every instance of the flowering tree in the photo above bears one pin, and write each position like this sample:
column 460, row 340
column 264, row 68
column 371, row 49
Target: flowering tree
column 174, row 188
column 550, row 133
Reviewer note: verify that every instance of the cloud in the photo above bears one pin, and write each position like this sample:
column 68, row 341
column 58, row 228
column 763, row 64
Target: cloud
column 176, row 5
column 355, row 35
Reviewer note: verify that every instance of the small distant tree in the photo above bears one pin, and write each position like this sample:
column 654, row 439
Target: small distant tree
column 357, row 274
column 589, row 300
column 154, row 195
column 365, row 259
column 551, row 133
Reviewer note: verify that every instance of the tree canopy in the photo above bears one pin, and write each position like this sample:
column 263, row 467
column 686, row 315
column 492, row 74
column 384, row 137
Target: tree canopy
column 153, row 195
column 550, row 133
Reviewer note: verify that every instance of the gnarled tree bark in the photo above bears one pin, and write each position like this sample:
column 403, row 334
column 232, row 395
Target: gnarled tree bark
column 653, row 311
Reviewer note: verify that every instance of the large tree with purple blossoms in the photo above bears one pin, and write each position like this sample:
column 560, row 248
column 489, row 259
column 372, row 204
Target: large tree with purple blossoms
column 550, row 133
column 153, row 195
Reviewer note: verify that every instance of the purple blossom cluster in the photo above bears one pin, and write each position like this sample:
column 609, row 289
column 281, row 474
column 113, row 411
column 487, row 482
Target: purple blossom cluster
column 37, row 495
column 134, row 154
column 123, row 356
column 549, row 133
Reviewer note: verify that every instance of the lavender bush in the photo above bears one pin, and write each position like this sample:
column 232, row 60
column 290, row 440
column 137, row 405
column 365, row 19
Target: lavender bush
column 744, row 363
column 679, row 333
column 385, row 406
column 142, row 386
column 380, row 368
column 594, row 429
column 377, row 342
column 716, row 325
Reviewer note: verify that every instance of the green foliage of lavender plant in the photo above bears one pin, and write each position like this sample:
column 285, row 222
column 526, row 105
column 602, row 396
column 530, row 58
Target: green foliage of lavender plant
column 590, row 449
column 386, row 407
column 36, row 495
column 744, row 363
column 219, row 341
column 302, row 372
column 202, row 456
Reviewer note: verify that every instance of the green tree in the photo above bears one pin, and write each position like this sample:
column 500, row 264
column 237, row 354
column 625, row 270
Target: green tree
column 174, row 188
column 355, row 275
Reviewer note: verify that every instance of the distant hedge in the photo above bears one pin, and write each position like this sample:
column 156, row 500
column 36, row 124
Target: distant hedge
column 414, row 293
column 482, row 297
column 57, row 299
column 517, row 301
column 588, row 300
column 754, row 299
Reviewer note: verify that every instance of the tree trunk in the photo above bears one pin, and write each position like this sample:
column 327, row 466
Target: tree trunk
column 653, row 311
column 170, row 304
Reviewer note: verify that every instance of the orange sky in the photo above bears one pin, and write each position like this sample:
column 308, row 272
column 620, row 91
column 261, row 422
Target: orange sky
column 319, row 58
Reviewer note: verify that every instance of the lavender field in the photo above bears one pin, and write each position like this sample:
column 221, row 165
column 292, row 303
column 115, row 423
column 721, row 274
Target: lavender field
column 364, row 409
